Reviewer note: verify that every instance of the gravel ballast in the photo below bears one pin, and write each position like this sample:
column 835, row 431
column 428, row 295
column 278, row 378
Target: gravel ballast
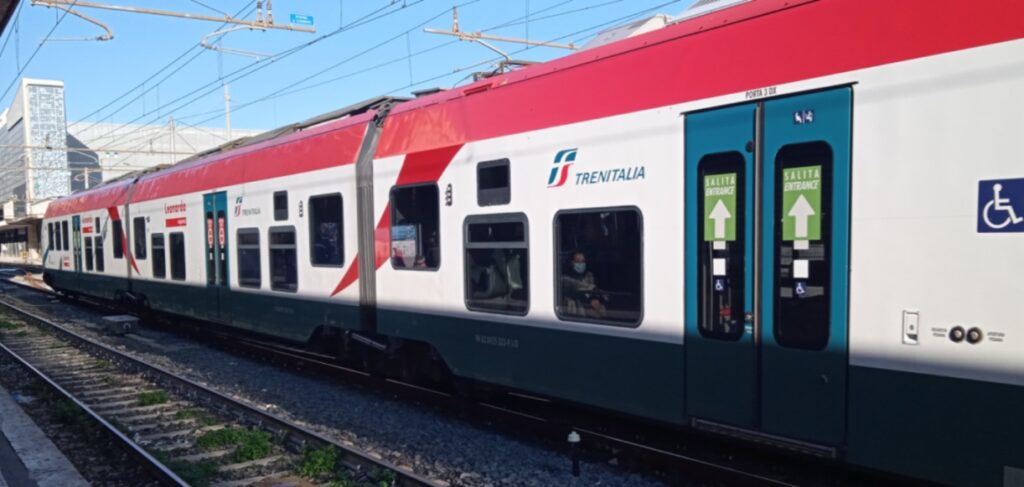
column 433, row 443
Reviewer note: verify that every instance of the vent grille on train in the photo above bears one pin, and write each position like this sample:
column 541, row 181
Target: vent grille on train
column 704, row 7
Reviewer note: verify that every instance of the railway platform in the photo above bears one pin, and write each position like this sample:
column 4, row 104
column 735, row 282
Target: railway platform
column 27, row 457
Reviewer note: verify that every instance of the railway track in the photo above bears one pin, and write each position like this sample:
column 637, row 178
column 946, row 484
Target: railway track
column 704, row 458
column 185, row 433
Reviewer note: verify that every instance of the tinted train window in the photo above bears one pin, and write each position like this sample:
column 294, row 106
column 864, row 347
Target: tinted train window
column 159, row 256
column 326, row 247
column 99, row 252
column 65, row 234
column 281, row 205
column 721, row 258
column 497, row 264
column 118, row 240
column 802, row 272
column 249, row 257
column 283, row 263
column 88, row 253
column 177, row 243
column 599, row 259
column 493, row 183
column 139, row 237
column 49, row 235
column 57, row 236
column 415, row 240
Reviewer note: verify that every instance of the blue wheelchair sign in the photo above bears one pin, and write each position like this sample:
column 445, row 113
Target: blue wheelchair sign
column 1001, row 206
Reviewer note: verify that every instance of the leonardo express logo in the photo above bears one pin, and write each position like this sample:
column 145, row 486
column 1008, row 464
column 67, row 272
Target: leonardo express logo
column 564, row 159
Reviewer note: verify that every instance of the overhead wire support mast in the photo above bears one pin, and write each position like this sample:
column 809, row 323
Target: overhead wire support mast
column 266, row 22
column 480, row 38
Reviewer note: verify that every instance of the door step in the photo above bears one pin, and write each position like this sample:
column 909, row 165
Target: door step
column 766, row 439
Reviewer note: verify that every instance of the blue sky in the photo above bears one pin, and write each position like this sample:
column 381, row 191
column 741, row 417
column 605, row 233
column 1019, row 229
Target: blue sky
column 361, row 50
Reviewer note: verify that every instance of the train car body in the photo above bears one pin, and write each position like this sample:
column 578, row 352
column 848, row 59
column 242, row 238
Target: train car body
column 798, row 223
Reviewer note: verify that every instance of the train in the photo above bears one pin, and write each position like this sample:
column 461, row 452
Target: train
column 793, row 222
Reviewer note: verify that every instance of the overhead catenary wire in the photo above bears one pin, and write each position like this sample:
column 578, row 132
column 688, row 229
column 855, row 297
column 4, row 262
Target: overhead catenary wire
column 21, row 69
column 533, row 18
column 247, row 8
column 256, row 66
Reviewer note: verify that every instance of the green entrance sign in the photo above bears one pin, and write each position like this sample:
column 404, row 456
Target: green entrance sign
column 801, row 203
column 720, row 207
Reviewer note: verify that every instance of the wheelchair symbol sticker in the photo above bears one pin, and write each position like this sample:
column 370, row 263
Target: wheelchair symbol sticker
column 1001, row 206
column 800, row 288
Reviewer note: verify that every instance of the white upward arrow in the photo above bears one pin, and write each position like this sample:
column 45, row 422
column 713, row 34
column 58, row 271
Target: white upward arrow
column 801, row 211
column 720, row 214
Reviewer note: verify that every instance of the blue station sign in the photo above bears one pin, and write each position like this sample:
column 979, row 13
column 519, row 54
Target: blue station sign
column 302, row 19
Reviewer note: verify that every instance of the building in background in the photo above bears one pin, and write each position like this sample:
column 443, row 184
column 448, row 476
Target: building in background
column 42, row 157
column 33, row 164
column 117, row 149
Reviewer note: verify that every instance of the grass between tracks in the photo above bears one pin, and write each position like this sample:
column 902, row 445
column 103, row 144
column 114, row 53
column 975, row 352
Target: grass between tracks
column 152, row 398
column 322, row 464
column 249, row 444
column 9, row 326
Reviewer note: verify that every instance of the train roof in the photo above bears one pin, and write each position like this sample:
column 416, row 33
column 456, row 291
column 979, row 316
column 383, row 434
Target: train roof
column 747, row 46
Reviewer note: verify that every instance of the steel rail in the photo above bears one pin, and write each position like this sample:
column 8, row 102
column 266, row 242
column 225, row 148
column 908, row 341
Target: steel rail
column 350, row 456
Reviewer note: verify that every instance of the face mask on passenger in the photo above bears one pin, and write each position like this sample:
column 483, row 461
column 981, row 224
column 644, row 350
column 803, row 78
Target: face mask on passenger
column 579, row 267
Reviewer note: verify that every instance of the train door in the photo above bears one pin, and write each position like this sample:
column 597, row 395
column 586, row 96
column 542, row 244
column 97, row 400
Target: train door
column 767, row 253
column 215, row 212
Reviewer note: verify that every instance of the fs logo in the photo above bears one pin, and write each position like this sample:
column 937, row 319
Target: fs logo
column 560, row 173
column 238, row 206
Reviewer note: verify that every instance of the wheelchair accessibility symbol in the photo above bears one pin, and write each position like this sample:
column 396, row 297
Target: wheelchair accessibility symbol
column 1001, row 206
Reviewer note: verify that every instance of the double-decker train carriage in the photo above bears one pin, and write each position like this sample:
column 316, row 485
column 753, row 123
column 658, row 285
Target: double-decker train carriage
column 794, row 222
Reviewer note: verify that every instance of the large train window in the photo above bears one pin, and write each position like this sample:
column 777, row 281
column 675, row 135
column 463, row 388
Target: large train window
column 415, row 220
column 493, row 183
column 326, row 244
column 177, row 241
column 139, row 237
column 57, row 236
column 118, row 240
column 88, row 253
column 49, row 235
column 803, row 245
column 283, row 265
column 721, row 239
column 497, row 264
column 159, row 256
column 599, row 266
column 249, row 274
column 65, row 234
column 99, row 253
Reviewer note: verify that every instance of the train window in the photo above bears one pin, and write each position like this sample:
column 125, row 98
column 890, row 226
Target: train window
column 249, row 257
column 721, row 258
column 139, row 237
column 599, row 266
column 159, row 256
column 65, row 235
column 280, row 206
column 493, row 183
column 88, row 253
column 326, row 248
column 803, row 274
column 497, row 264
column 415, row 220
column 177, row 244
column 49, row 235
column 99, row 252
column 118, row 240
column 57, row 236
column 283, row 265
